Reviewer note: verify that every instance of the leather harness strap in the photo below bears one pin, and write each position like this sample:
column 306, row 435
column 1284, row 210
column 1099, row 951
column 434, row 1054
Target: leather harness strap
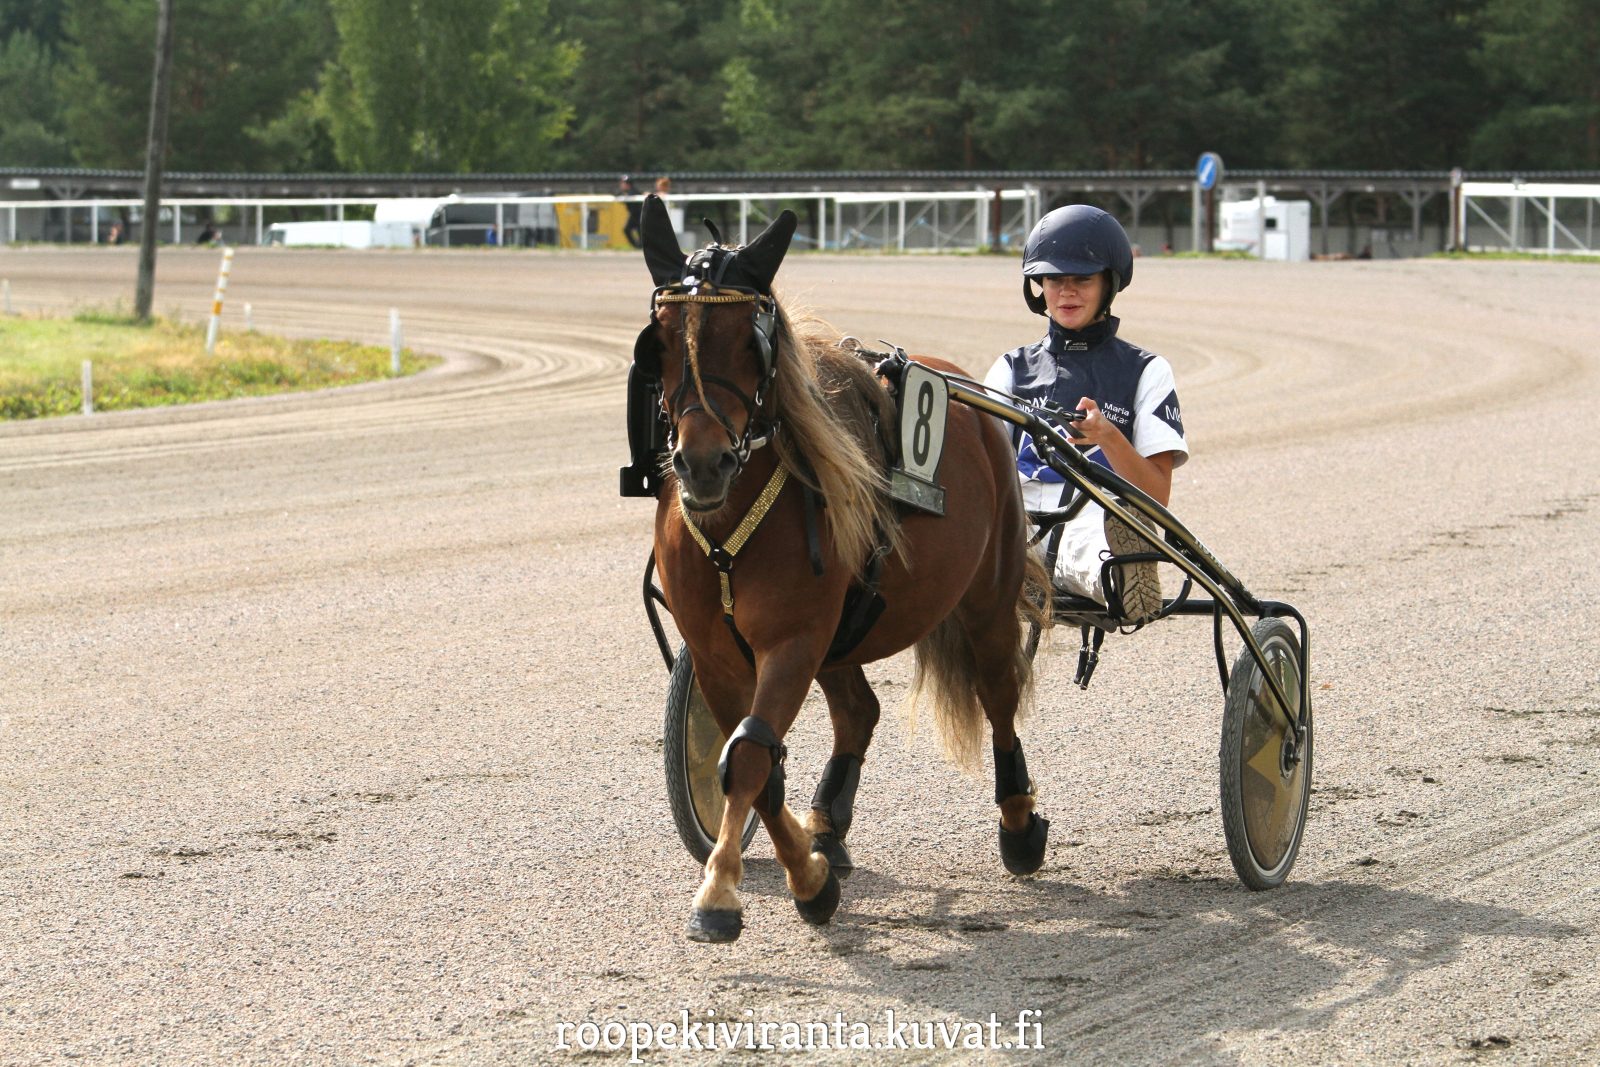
column 722, row 555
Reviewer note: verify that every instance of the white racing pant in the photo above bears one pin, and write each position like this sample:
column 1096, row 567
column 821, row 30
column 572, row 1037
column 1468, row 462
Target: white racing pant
column 1083, row 540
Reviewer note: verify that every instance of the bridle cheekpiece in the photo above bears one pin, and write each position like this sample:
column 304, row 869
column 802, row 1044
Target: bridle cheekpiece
column 701, row 284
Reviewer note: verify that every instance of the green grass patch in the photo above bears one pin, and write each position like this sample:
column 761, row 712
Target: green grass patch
column 1205, row 255
column 165, row 362
column 1521, row 257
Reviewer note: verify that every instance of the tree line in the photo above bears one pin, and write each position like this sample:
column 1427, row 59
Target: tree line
column 664, row 86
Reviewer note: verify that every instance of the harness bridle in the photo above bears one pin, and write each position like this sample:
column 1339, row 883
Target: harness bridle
column 702, row 285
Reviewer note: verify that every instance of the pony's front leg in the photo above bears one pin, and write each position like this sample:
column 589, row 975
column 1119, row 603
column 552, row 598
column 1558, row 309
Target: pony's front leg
column 718, row 916
column 752, row 774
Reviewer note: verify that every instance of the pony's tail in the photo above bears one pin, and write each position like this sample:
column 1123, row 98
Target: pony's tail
column 947, row 671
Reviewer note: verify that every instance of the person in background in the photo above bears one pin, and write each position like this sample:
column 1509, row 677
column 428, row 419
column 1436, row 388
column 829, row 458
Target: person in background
column 630, row 229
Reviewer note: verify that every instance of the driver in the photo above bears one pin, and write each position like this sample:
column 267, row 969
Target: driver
column 1076, row 261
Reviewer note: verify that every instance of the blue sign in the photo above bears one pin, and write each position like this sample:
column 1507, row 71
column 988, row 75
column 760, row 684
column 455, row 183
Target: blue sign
column 1208, row 172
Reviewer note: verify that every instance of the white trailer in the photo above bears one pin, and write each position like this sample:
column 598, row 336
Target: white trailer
column 340, row 234
column 1285, row 224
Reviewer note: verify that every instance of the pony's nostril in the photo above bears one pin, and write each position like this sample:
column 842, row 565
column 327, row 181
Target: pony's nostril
column 727, row 463
column 680, row 466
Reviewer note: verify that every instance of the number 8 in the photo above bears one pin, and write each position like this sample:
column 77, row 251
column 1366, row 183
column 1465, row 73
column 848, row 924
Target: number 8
column 922, row 431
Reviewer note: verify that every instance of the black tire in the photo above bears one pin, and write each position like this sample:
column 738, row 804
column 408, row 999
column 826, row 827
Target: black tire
column 693, row 744
column 1265, row 790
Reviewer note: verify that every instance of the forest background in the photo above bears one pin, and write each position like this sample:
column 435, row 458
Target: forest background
column 668, row 86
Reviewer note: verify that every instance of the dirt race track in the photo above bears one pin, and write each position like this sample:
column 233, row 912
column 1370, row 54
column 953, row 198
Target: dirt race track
column 330, row 726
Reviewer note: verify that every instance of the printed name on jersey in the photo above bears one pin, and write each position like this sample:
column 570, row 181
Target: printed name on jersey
column 1116, row 413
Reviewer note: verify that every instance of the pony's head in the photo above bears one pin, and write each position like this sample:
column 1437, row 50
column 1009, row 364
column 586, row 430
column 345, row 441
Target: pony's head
column 711, row 341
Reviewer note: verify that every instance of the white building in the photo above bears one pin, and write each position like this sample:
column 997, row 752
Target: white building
column 1285, row 224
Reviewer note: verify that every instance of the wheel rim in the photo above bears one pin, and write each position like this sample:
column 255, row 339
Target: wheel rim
column 702, row 744
column 1272, row 786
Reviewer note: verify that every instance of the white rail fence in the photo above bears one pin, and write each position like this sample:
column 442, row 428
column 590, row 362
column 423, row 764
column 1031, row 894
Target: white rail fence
column 946, row 221
column 1553, row 219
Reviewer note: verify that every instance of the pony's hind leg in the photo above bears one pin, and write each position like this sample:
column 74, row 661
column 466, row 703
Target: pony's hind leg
column 1002, row 677
column 854, row 710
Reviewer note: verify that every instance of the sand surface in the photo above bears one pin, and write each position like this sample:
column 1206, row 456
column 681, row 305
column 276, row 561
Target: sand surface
column 330, row 725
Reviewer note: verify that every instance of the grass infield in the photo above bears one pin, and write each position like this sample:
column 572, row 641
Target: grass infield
column 165, row 362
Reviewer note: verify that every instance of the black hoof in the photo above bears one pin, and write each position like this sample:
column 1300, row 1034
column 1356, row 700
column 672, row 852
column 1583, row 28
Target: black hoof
column 837, row 855
column 1023, row 850
column 715, row 927
column 820, row 908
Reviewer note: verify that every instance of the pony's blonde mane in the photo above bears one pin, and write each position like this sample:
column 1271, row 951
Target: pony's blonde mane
column 834, row 411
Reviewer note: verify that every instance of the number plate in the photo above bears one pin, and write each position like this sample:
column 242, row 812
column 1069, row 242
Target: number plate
column 924, row 404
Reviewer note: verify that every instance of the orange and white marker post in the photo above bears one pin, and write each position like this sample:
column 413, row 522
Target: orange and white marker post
column 216, row 301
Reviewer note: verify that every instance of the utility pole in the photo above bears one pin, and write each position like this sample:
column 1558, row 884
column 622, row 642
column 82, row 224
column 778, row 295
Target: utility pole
column 155, row 154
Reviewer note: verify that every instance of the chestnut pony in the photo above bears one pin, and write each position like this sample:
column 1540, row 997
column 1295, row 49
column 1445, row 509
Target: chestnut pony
column 773, row 509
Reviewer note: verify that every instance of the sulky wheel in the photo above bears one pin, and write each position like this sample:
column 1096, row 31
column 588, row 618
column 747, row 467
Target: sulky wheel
column 693, row 745
column 1265, row 783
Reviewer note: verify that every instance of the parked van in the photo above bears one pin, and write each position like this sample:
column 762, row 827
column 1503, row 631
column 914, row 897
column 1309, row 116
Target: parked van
column 481, row 219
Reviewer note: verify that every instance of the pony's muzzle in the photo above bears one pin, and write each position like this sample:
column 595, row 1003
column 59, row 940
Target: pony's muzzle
column 704, row 476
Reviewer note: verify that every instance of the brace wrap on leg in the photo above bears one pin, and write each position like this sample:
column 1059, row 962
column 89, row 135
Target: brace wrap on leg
column 758, row 732
column 836, row 792
column 1011, row 774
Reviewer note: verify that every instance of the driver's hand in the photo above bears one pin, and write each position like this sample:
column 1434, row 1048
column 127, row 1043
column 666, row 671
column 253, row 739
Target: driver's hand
column 1094, row 428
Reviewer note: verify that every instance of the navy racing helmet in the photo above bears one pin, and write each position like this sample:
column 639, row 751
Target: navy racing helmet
column 1076, row 239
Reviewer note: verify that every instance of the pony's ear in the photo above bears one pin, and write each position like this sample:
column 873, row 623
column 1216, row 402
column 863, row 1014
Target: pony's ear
column 761, row 257
column 661, row 252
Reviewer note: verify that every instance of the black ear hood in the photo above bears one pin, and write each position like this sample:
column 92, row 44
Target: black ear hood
column 751, row 267
column 759, row 260
column 661, row 252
